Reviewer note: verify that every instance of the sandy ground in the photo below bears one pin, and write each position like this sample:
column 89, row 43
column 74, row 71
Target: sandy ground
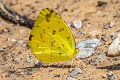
column 13, row 54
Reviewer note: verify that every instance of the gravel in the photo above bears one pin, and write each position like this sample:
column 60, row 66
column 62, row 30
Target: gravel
column 87, row 47
column 37, row 63
column 76, row 71
column 100, row 57
column 77, row 24
column 114, row 48
column 70, row 78
column 111, row 76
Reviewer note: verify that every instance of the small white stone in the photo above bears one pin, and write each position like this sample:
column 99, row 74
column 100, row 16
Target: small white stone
column 13, row 40
column 11, row 79
column 29, row 59
column 87, row 47
column 112, row 76
column 114, row 49
column 111, row 24
column 2, row 23
column 20, row 42
column 71, row 78
column 37, row 63
column 76, row 71
column 68, row 24
column 8, row 39
column 77, row 24
column 22, row 73
column 88, row 25
column 22, row 31
column 93, row 33
column 100, row 57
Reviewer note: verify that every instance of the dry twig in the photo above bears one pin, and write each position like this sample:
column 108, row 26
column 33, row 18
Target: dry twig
column 13, row 16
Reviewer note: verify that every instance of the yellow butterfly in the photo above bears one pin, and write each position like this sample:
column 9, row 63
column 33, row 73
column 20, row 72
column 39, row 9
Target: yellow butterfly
column 50, row 39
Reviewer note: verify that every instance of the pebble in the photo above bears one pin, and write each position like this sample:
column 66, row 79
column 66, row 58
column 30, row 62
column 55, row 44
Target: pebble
column 13, row 40
column 100, row 57
column 17, row 59
column 81, row 33
column 29, row 73
column 77, row 24
column 76, row 71
column 104, row 38
column 22, row 31
column 29, row 69
column 22, row 73
column 20, row 42
column 88, row 25
column 11, row 79
column 87, row 47
column 2, row 23
column 68, row 24
column 37, row 63
column 114, row 35
column 112, row 76
column 114, row 48
column 8, row 39
column 29, row 59
column 93, row 33
column 111, row 24
column 93, row 62
column 104, row 76
column 70, row 78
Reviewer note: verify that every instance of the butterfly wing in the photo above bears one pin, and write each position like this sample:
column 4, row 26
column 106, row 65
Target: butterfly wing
column 51, row 39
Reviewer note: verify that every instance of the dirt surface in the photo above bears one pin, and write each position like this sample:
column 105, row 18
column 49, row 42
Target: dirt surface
column 17, row 60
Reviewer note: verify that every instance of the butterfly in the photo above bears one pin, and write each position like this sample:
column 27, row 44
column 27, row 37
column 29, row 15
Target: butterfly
column 50, row 39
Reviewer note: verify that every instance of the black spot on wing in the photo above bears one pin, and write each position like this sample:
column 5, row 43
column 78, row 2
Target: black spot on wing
column 48, row 27
column 43, row 31
column 41, row 35
column 52, row 43
column 68, row 37
column 51, row 55
column 37, row 26
column 37, row 45
column 62, row 44
column 58, row 22
column 49, row 15
column 53, row 32
column 59, row 47
column 43, row 41
column 60, row 53
column 61, row 29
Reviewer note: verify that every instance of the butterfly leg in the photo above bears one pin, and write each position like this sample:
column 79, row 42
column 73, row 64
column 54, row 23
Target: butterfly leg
column 64, row 64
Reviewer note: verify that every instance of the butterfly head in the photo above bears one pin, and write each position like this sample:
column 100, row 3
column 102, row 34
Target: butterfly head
column 75, row 53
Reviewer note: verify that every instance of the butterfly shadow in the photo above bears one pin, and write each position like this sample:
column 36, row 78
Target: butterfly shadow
column 49, row 66
column 111, row 67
